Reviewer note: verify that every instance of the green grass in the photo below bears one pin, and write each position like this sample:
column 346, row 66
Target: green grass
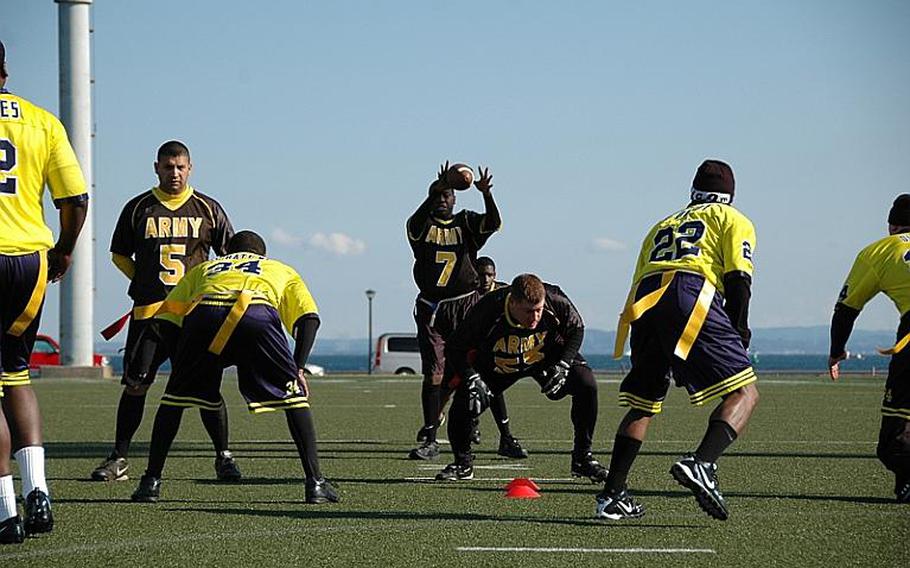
column 803, row 486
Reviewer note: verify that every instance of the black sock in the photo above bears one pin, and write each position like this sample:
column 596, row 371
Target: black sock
column 167, row 423
column 129, row 417
column 501, row 415
column 718, row 437
column 429, row 398
column 625, row 450
column 216, row 424
column 303, row 430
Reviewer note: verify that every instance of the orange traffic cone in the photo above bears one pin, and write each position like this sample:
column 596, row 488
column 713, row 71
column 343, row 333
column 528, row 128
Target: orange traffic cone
column 522, row 488
column 522, row 481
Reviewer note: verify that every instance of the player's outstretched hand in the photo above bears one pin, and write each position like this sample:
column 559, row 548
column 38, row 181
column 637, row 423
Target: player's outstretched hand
column 834, row 366
column 443, row 168
column 484, row 183
column 57, row 264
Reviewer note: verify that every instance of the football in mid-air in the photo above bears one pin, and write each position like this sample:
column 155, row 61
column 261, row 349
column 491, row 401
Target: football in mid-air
column 460, row 176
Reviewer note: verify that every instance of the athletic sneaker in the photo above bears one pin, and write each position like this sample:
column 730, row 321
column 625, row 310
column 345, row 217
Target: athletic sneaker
column 587, row 466
column 617, row 505
column 701, row 479
column 510, row 448
column 12, row 531
column 903, row 492
column 226, row 468
column 320, row 491
column 149, row 490
column 427, row 451
column 456, row 472
column 38, row 515
column 112, row 469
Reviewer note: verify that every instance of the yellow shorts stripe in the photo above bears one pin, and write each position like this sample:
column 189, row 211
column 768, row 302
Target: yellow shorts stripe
column 737, row 381
column 283, row 404
column 896, row 412
column 638, row 403
column 17, row 379
column 261, row 409
column 189, row 401
column 27, row 316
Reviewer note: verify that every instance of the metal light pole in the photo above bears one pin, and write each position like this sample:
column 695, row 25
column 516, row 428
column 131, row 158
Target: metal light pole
column 370, row 295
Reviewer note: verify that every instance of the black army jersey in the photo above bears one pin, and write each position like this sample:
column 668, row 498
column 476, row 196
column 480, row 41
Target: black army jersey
column 507, row 349
column 444, row 254
column 166, row 238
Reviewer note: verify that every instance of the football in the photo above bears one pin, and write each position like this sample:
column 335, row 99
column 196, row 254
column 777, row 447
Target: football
column 460, row 176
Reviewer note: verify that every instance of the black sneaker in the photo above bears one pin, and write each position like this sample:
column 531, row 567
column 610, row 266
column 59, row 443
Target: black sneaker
column 617, row 505
column 112, row 469
column 320, row 491
column 902, row 492
column 587, row 466
column 510, row 448
column 149, row 490
column 427, row 451
column 12, row 531
column 226, row 468
column 456, row 472
column 701, row 479
column 38, row 515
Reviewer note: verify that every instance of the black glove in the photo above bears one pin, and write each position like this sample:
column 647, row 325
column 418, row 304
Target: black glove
column 479, row 396
column 553, row 379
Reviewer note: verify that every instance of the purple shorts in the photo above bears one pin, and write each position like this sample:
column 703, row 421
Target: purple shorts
column 18, row 281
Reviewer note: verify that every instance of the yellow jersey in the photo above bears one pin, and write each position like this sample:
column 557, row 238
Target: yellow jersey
column 34, row 151
column 220, row 281
column 883, row 266
column 710, row 239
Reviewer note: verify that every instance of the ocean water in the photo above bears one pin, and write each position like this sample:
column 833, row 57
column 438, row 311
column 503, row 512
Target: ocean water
column 817, row 363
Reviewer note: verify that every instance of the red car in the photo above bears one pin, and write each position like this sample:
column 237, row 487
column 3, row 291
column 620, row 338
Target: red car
column 47, row 352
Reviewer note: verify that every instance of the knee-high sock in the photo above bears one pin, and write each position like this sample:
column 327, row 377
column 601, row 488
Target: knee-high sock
column 129, row 417
column 7, row 498
column 167, row 423
column 501, row 415
column 429, row 398
column 717, row 438
column 625, row 450
column 216, row 424
column 303, row 430
column 31, row 469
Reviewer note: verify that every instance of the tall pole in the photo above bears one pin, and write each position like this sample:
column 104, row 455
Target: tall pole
column 370, row 295
column 77, row 287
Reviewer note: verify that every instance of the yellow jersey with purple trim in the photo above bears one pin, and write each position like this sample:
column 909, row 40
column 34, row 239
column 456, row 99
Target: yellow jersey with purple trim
column 220, row 281
column 710, row 239
column 34, row 151
column 883, row 266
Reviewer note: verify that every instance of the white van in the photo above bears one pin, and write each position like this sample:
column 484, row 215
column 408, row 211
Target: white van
column 397, row 353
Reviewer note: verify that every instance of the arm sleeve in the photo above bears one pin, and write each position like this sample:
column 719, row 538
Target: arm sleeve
column 295, row 303
column 463, row 339
column 481, row 226
column 304, row 337
column 841, row 326
column 417, row 222
column 571, row 324
column 223, row 230
column 125, row 264
column 738, row 244
column 64, row 176
column 737, row 294
column 122, row 241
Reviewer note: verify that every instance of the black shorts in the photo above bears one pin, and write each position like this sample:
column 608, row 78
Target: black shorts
column 435, row 323
column 23, row 280
column 136, row 327
column 266, row 371
column 717, row 362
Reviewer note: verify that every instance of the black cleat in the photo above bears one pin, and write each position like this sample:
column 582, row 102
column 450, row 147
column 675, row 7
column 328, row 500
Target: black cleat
column 149, row 490
column 587, row 466
column 617, row 505
column 112, row 469
column 427, row 451
column 701, row 479
column 12, row 531
column 510, row 448
column 456, row 472
column 226, row 468
column 320, row 491
column 38, row 515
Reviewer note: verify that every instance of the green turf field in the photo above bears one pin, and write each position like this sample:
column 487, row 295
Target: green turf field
column 803, row 487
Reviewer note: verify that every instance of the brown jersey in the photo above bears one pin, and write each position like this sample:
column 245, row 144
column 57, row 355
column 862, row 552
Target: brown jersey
column 165, row 243
column 445, row 252
column 505, row 348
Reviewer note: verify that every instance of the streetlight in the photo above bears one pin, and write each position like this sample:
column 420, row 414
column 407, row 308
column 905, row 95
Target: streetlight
column 370, row 295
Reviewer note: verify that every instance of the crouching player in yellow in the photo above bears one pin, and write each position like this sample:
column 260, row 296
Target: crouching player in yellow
column 230, row 311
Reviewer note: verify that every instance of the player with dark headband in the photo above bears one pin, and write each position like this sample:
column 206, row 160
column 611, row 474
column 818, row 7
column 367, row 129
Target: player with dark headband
column 230, row 311
column 883, row 266
column 688, row 312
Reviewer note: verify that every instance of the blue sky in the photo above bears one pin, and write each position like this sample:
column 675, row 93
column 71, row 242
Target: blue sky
column 320, row 125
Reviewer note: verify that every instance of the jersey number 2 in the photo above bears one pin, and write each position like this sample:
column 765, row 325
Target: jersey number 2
column 8, row 185
column 670, row 244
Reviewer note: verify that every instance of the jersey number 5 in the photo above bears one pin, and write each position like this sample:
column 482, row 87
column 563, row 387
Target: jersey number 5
column 172, row 263
column 449, row 259
column 670, row 244
column 7, row 163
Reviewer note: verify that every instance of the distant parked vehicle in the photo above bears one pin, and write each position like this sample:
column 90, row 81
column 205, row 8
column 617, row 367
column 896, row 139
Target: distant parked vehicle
column 314, row 370
column 397, row 353
column 47, row 352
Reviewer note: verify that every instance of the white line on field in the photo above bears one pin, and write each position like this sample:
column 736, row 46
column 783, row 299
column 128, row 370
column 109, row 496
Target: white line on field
column 494, row 466
column 587, row 550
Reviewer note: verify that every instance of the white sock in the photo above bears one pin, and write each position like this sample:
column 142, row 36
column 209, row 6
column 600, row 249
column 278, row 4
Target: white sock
column 31, row 469
column 7, row 498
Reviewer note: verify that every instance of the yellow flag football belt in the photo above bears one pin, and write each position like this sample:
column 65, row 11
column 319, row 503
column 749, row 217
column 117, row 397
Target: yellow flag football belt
column 241, row 302
column 633, row 310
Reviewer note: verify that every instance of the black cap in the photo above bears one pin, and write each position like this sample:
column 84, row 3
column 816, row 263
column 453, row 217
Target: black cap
column 900, row 211
column 714, row 176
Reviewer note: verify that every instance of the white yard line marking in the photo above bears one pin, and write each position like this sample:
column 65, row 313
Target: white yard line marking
column 587, row 550
column 495, row 466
